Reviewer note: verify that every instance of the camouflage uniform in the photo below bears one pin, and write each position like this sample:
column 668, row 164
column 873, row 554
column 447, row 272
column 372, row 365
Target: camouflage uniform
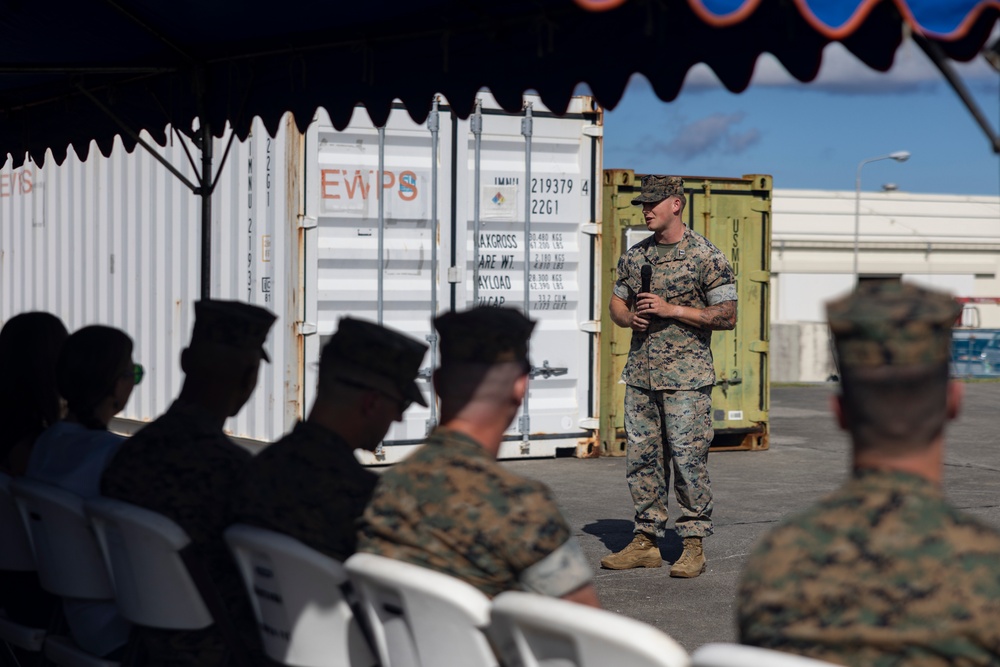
column 883, row 571
column 183, row 466
column 451, row 507
column 669, row 377
column 308, row 485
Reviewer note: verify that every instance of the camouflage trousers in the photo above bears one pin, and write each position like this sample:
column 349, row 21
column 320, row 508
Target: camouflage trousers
column 675, row 427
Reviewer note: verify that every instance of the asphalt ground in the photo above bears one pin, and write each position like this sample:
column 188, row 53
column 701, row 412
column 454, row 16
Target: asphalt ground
column 753, row 491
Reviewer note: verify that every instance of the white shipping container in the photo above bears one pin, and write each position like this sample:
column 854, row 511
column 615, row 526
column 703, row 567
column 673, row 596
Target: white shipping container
column 296, row 229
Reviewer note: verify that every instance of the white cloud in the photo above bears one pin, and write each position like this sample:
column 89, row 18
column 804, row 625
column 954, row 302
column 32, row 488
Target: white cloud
column 842, row 73
column 710, row 134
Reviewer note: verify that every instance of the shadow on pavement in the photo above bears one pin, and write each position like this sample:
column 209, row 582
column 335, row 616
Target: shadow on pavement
column 615, row 534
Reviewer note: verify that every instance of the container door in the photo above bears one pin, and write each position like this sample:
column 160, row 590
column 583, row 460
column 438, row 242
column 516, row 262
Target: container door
column 343, row 197
column 344, row 194
column 559, row 201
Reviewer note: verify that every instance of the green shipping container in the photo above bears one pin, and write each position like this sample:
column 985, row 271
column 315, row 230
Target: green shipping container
column 735, row 215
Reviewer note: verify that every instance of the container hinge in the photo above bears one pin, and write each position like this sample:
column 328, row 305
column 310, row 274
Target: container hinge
column 454, row 275
column 590, row 228
column 593, row 130
column 760, row 276
column 380, row 452
column 307, row 222
column 546, row 371
column 425, row 373
column 760, row 346
column 589, row 423
column 305, row 328
column 591, row 326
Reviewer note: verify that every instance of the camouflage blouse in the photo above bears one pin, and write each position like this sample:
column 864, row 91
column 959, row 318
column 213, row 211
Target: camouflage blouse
column 671, row 354
column 882, row 572
column 308, row 485
column 451, row 507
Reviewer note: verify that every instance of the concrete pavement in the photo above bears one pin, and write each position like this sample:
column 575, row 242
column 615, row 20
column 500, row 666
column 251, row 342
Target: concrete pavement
column 753, row 491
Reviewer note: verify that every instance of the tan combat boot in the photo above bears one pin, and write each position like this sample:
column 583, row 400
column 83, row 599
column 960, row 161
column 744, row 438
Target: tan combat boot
column 641, row 552
column 692, row 560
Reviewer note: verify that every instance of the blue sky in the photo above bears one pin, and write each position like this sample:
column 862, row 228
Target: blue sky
column 814, row 135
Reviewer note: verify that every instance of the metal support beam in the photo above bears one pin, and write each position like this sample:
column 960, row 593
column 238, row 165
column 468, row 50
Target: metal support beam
column 940, row 60
column 205, row 192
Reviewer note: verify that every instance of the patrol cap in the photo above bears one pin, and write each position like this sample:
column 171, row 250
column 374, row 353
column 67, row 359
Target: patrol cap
column 485, row 334
column 231, row 324
column 657, row 188
column 890, row 323
column 367, row 354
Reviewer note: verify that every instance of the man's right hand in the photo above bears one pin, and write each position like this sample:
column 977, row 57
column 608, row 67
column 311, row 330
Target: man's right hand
column 638, row 323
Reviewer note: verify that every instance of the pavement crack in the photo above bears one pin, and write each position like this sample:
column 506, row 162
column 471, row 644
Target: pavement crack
column 974, row 466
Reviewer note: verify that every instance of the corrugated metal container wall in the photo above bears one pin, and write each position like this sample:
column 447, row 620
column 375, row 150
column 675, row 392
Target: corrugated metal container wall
column 343, row 199
column 116, row 241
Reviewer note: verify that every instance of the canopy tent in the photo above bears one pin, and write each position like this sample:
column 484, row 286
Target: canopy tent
column 73, row 72
column 67, row 63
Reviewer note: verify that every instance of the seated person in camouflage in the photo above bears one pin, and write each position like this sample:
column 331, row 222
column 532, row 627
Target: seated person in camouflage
column 183, row 466
column 308, row 484
column 450, row 506
column 883, row 571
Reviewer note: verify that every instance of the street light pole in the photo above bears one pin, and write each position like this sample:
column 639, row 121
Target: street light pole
column 898, row 156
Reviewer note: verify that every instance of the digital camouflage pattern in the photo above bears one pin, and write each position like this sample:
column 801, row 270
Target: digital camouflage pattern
column 308, row 485
column 452, row 508
column 672, row 426
column 889, row 323
column 485, row 335
column 671, row 354
column 374, row 356
column 883, row 572
column 183, row 466
column 657, row 188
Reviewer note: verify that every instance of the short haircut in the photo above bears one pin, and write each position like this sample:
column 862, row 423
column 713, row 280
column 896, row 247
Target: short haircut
column 895, row 409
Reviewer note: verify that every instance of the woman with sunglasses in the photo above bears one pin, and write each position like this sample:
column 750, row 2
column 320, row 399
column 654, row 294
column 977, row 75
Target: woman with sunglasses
column 95, row 374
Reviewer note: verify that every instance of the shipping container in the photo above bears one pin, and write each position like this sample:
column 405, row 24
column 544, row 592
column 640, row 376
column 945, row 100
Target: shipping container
column 495, row 209
column 735, row 215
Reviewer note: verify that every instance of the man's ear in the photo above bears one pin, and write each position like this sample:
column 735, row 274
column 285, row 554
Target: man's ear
column 837, row 408
column 956, row 392
column 520, row 388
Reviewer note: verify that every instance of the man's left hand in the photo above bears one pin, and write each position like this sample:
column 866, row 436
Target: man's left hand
column 648, row 304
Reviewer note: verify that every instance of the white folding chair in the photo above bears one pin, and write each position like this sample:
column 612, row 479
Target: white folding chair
column 738, row 655
column 157, row 582
column 419, row 617
column 140, row 548
column 16, row 556
column 68, row 559
column 530, row 630
column 297, row 594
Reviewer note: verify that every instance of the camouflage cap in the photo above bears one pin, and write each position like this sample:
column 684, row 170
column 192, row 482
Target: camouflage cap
column 657, row 188
column 889, row 323
column 373, row 356
column 485, row 334
column 231, row 324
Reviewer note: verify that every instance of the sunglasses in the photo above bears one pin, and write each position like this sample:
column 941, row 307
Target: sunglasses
column 137, row 373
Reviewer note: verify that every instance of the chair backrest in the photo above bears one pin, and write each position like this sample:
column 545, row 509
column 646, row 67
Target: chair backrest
column 298, row 599
column 142, row 551
column 537, row 631
column 16, row 553
column 738, row 655
column 419, row 617
column 66, row 553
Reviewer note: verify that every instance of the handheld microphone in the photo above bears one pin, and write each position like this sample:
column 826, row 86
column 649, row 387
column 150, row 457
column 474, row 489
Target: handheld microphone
column 647, row 274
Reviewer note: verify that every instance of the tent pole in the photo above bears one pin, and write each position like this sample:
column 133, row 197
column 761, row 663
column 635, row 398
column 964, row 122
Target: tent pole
column 940, row 60
column 205, row 192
